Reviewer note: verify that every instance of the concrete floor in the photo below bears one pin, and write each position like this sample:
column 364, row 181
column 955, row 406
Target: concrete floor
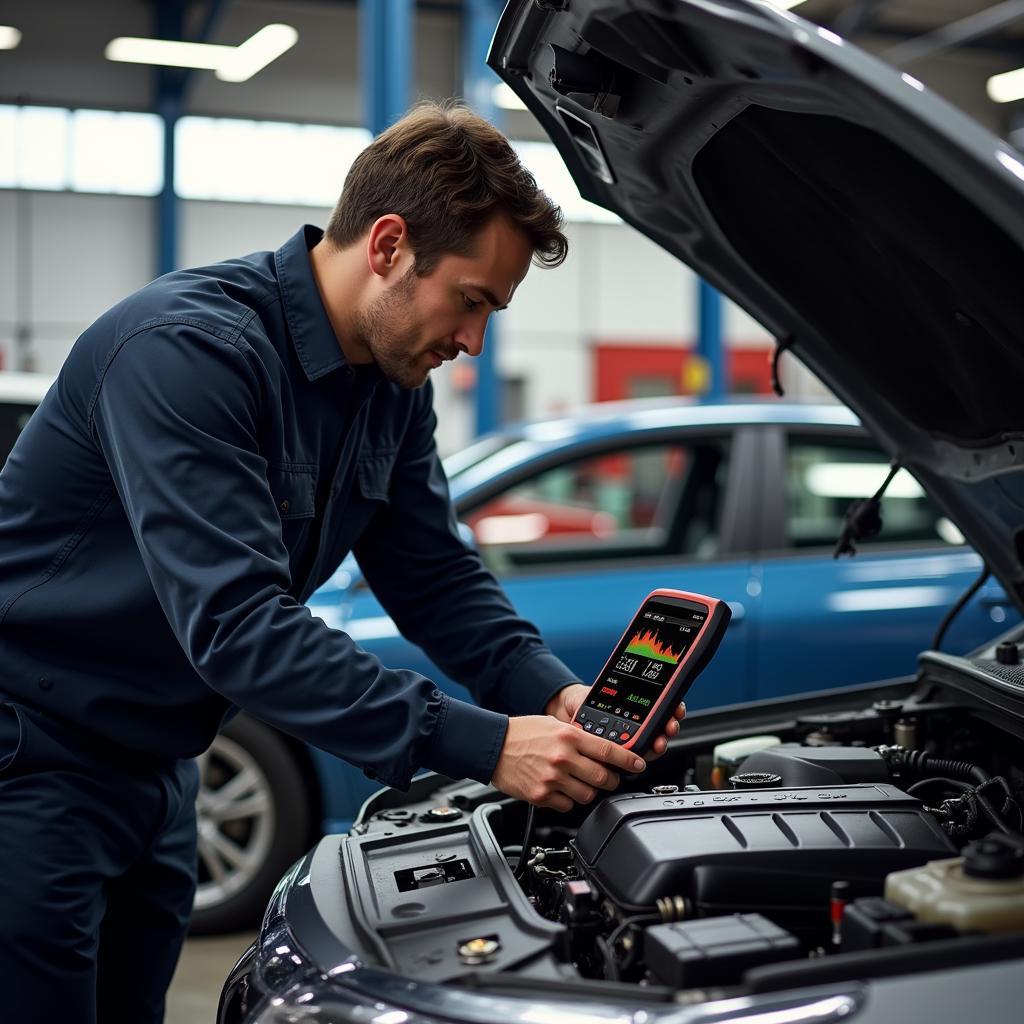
column 204, row 964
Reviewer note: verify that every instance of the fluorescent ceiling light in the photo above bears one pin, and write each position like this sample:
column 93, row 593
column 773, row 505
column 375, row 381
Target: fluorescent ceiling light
column 231, row 63
column 1007, row 87
column 9, row 37
column 503, row 96
column 167, row 52
column 257, row 52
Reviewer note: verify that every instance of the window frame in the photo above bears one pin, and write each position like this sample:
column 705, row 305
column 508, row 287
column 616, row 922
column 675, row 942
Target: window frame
column 773, row 541
column 734, row 514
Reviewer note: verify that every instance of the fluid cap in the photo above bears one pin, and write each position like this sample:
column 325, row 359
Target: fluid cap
column 756, row 780
column 994, row 857
column 1007, row 653
column 441, row 814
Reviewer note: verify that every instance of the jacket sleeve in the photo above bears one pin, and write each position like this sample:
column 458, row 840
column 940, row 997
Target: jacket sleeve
column 441, row 595
column 177, row 415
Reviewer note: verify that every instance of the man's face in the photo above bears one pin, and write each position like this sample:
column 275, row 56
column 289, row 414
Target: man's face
column 421, row 321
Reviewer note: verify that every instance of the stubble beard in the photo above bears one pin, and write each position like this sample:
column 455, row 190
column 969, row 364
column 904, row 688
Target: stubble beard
column 387, row 329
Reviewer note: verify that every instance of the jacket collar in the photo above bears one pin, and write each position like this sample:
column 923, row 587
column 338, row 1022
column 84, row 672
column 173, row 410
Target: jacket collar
column 315, row 341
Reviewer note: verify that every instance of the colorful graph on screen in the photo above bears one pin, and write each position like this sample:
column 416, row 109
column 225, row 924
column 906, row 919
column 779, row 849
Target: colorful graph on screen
column 650, row 646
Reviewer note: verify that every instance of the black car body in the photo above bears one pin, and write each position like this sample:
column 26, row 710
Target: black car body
column 879, row 234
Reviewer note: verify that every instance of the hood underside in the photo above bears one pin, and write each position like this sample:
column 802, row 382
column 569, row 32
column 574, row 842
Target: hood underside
column 873, row 229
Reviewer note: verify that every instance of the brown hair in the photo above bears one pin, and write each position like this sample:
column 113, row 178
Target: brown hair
column 446, row 172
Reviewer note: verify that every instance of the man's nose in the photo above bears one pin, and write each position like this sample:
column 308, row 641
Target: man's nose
column 470, row 338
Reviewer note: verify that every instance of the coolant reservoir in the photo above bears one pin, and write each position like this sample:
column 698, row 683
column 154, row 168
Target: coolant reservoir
column 982, row 891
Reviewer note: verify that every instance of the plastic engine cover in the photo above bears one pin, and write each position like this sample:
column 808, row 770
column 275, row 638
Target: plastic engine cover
column 774, row 851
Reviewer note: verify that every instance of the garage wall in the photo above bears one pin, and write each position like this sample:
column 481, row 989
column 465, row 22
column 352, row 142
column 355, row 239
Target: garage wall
column 66, row 257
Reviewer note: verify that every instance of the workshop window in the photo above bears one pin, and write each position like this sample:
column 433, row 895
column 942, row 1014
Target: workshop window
column 825, row 477
column 631, row 503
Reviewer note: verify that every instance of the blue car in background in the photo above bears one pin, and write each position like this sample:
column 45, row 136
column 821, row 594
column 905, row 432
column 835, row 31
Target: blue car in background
column 580, row 517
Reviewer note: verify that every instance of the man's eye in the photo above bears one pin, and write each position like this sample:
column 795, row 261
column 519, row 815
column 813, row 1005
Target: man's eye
column 470, row 303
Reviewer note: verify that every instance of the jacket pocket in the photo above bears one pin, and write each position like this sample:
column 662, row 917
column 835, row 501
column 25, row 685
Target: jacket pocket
column 293, row 486
column 374, row 471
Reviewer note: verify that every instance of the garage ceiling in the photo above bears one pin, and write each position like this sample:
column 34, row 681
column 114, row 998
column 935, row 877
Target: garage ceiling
column 60, row 60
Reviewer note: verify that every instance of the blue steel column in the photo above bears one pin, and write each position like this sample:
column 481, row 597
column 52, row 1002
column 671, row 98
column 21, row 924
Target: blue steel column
column 168, row 106
column 171, row 85
column 709, row 340
column 479, row 18
column 168, row 101
column 385, row 36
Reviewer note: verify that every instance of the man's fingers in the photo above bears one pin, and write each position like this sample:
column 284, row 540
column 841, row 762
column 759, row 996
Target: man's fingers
column 577, row 791
column 681, row 711
column 557, row 802
column 598, row 775
column 609, row 753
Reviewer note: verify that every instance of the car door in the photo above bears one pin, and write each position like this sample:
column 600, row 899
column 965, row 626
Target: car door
column 827, row 622
column 580, row 540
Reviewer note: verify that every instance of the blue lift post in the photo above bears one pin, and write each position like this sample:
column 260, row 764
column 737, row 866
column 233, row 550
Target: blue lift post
column 168, row 101
column 171, row 85
column 709, row 341
column 386, row 70
column 479, row 18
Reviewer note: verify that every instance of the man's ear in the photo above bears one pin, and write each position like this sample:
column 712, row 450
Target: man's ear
column 387, row 246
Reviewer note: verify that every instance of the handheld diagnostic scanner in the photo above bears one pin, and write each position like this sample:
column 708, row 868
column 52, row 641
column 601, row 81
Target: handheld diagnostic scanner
column 669, row 642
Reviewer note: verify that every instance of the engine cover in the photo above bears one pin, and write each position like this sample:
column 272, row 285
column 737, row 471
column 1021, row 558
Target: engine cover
column 774, row 851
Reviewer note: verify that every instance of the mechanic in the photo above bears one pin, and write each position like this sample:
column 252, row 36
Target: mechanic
column 213, row 447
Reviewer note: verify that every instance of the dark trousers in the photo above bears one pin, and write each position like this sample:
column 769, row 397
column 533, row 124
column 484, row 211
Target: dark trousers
column 97, row 874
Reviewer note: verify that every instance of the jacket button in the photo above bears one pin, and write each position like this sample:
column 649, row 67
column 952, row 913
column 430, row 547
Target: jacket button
column 45, row 684
column 285, row 505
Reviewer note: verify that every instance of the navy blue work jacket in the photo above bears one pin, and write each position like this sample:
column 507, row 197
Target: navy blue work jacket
column 203, row 462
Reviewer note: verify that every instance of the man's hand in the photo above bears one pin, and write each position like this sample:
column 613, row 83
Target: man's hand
column 567, row 701
column 553, row 764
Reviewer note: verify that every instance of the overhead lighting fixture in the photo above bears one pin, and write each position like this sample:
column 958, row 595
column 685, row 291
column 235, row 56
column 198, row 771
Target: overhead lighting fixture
column 231, row 63
column 1007, row 87
column 167, row 53
column 257, row 52
column 503, row 96
column 9, row 37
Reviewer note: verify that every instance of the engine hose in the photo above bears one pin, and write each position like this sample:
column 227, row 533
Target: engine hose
column 922, row 763
column 523, row 862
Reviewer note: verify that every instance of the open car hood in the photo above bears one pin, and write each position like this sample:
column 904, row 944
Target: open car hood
column 872, row 228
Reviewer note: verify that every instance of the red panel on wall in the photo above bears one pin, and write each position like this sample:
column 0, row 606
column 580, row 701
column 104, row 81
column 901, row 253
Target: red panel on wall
column 639, row 371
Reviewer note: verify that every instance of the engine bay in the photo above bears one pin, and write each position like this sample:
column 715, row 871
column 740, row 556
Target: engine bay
column 872, row 832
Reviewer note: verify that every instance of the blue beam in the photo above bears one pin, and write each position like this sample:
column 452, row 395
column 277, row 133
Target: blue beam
column 169, row 108
column 479, row 18
column 710, row 347
column 386, row 71
column 171, row 85
column 168, row 103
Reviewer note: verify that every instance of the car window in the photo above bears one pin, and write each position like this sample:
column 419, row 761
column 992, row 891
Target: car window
column 824, row 477
column 13, row 417
column 633, row 502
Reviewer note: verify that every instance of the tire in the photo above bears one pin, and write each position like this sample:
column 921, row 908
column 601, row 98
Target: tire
column 254, row 822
